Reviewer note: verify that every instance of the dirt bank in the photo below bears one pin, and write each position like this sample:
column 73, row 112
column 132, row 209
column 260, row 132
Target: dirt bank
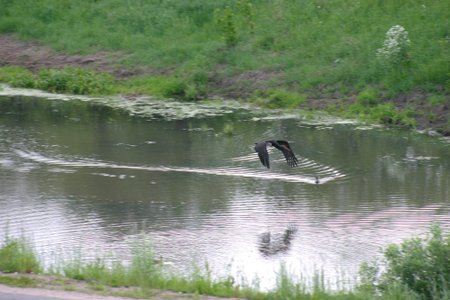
column 34, row 56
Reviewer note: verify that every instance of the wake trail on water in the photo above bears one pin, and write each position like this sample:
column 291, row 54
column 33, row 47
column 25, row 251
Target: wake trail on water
column 308, row 167
column 326, row 173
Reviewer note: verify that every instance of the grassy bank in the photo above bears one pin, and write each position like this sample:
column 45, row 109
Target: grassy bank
column 277, row 53
column 418, row 268
column 367, row 106
column 312, row 43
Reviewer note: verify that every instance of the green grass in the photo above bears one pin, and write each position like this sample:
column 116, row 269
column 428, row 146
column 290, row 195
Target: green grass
column 68, row 80
column 418, row 268
column 314, row 43
column 303, row 49
column 74, row 81
column 81, row 81
column 17, row 77
column 385, row 113
column 159, row 86
column 16, row 255
column 278, row 98
column 21, row 281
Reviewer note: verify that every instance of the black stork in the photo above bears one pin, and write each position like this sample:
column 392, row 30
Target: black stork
column 283, row 146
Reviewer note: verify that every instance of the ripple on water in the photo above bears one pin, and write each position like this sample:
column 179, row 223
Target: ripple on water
column 326, row 173
column 220, row 218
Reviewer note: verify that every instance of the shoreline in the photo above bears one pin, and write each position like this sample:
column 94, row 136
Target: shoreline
column 24, row 274
column 35, row 57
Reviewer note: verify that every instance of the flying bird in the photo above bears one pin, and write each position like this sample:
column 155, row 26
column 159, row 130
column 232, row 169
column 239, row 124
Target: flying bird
column 283, row 146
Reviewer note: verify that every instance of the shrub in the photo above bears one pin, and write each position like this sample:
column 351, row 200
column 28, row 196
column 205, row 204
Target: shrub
column 422, row 265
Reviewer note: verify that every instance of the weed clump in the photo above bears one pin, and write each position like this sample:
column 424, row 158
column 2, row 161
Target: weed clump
column 368, row 97
column 16, row 255
column 68, row 80
column 279, row 98
column 74, row 81
column 369, row 106
column 17, row 77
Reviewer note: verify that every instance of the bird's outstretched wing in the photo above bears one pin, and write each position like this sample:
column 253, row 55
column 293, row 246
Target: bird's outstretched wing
column 284, row 147
column 261, row 149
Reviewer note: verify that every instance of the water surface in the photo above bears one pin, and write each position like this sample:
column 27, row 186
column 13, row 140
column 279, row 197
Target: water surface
column 82, row 176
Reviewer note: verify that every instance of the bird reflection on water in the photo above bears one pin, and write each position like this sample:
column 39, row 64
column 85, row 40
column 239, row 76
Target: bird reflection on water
column 270, row 244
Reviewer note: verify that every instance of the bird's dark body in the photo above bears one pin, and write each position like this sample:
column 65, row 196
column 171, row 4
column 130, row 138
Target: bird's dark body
column 283, row 146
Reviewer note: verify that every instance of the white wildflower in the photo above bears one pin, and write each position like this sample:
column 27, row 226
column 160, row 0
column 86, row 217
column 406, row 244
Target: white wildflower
column 395, row 44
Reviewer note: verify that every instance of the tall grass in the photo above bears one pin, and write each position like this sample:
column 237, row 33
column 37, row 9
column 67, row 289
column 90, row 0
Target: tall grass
column 314, row 43
column 86, row 82
column 17, row 255
column 68, row 80
column 418, row 268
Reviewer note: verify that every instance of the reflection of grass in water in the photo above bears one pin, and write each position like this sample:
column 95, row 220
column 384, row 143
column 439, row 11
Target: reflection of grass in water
column 416, row 269
column 228, row 129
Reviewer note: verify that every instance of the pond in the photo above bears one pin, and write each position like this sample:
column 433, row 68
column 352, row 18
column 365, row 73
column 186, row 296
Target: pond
column 86, row 177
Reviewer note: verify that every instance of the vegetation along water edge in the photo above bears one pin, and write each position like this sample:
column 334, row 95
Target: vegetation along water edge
column 379, row 61
column 417, row 268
